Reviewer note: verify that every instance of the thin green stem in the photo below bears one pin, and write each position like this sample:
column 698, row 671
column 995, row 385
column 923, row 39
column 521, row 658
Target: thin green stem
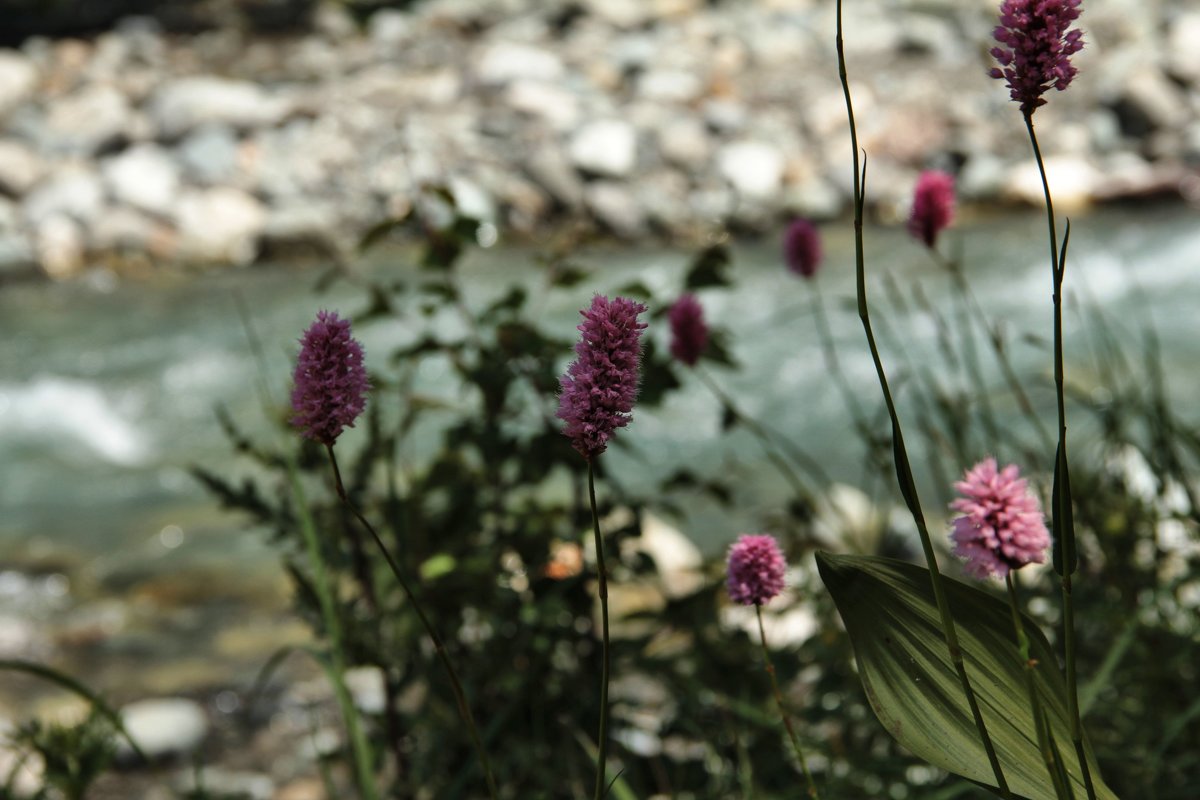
column 602, row 748
column 787, row 721
column 1072, row 688
column 464, row 709
column 1064, row 528
column 359, row 746
column 903, row 468
column 1035, row 704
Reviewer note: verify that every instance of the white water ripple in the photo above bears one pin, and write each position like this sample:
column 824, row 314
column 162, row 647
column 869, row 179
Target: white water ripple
column 64, row 411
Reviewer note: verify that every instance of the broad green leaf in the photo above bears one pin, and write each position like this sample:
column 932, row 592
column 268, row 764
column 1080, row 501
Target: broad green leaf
column 893, row 622
column 67, row 682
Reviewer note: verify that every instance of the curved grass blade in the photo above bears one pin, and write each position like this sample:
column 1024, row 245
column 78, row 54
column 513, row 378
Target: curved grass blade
column 67, row 682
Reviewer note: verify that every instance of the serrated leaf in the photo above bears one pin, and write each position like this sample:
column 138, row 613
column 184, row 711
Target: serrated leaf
column 658, row 376
column 380, row 231
column 717, row 350
column 635, row 291
column 380, row 305
column 729, row 417
column 709, row 268
column 889, row 611
column 566, row 275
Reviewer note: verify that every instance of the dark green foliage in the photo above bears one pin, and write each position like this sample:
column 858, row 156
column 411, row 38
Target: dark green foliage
column 73, row 755
column 492, row 520
column 484, row 504
column 709, row 268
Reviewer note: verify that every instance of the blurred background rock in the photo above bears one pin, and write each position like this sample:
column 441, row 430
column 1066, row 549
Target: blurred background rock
column 228, row 131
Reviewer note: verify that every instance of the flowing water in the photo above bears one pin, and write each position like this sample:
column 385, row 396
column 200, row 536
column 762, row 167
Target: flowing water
column 107, row 392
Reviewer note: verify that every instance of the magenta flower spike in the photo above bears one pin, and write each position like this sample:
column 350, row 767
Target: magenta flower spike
column 601, row 384
column 932, row 206
column 689, row 333
column 330, row 380
column 756, row 569
column 802, row 248
column 1035, row 45
column 1000, row 526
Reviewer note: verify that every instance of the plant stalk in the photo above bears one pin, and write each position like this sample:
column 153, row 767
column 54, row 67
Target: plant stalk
column 602, row 576
column 359, row 746
column 787, row 722
column 903, row 467
column 464, row 709
column 1035, row 705
column 1064, row 528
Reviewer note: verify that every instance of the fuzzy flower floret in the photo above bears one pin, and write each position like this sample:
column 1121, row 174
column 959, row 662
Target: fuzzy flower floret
column 601, row 384
column 802, row 248
column 1035, row 45
column 330, row 380
column 689, row 333
column 756, row 569
column 1000, row 526
column 932, row 206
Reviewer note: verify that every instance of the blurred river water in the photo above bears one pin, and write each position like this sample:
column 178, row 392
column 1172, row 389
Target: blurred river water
column 108, row 389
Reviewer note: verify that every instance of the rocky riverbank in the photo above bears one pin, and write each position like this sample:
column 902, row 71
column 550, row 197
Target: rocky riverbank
column 642, row 117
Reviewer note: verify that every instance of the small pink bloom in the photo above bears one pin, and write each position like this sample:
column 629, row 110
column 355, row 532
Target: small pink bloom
column 330, row 380
column 1001, row 526
column 932, row 207
column 1035, row 44
column 601, row 384
column 689, row 333
column 802, row 248
column 756, row 569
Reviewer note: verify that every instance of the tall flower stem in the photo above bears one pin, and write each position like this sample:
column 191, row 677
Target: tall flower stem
column 1035, row 704
column 787, row 722
column 602, row 576
column 359, row 747
column 464, row 709
column 903, row 468
column 1065, row 557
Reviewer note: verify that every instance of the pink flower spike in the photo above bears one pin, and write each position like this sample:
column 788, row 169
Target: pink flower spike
column 756, row 569
column 1000, row 526
column 932, row 206
column 689, row 333
column 330, row 380
column 1035, row 45
column 602, row 382
column 802, row 248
